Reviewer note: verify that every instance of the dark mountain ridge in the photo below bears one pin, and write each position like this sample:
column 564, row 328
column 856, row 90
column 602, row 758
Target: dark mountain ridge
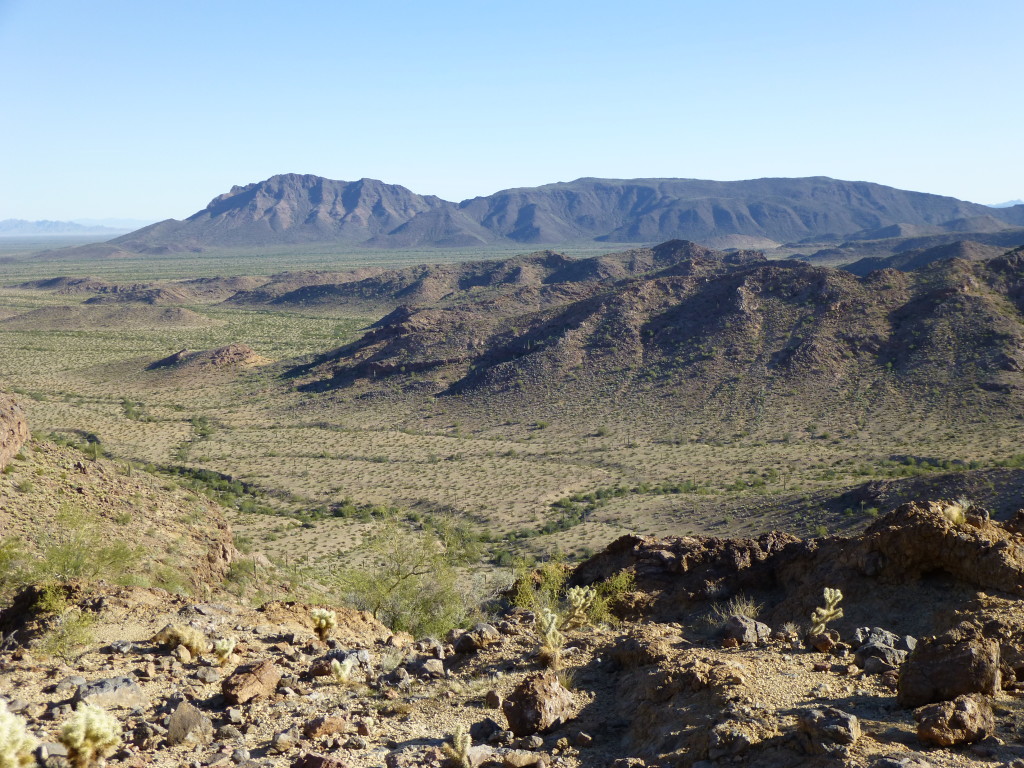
column 297, row 208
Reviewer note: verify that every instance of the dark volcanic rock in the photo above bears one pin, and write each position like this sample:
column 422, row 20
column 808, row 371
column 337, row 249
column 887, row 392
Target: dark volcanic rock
column 537, row 704
column 964, row 720
column 958, row 662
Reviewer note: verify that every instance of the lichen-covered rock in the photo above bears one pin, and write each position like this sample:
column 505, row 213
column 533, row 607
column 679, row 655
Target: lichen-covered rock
column 538, row 703
column 112, row 692
column 964, row 720
column 958, row 662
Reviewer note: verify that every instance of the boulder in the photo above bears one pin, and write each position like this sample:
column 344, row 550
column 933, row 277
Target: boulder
column 539, row 703
column 250, row 682
column 964, row 720
column 746, row 630
column 959, row 662
column 479, row 637
column 827, row 727
column 187, row 725
column 318, row 761
column 111, row 692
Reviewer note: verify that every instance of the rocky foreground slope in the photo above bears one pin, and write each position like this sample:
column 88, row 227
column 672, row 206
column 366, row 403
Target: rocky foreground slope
column 925, row 667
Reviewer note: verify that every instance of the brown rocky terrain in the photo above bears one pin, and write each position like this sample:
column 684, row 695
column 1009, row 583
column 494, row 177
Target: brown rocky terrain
column 924, row 667
column 711, row 334
column 13, row 429
column 236, row 355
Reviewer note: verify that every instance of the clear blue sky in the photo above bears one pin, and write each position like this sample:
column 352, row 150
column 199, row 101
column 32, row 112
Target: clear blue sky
column 149, row 109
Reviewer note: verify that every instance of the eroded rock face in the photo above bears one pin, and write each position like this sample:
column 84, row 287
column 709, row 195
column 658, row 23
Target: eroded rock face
column 13, row 429
column 964, row 720
column 540, row 702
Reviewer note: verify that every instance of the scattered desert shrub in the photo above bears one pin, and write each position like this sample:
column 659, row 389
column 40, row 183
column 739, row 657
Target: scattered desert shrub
column 829, row 612
column 738, row 605
column 223, row 648
column 411, row 580
column 323, row 622
column 173, row 635
column 550, row 638
column 456, row 749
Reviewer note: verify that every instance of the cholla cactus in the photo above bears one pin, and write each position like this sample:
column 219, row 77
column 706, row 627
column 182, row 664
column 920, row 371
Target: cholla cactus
column 172, row 636
column 551, row 640
column 90, row 735
column 223, row 649
column 830, row 612
column 581, row 600
column 341, row 671
column 457, row 750
column 323, row 622
column 16, row 743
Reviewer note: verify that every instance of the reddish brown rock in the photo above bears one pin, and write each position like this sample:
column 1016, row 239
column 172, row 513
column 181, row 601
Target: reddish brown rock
column 13, row 429
column 250, row 682
column 326, row 726
column 964, row 720
column 539, row 703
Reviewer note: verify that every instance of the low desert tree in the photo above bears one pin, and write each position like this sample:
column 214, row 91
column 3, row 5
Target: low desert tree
column 410, row 577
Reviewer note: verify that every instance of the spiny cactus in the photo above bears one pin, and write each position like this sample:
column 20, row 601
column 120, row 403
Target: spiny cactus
column 172, row 636
column 223, row 648
column 16, row 743
column 830, row 611
column 581, row 600
column 323, row 622
column 341, row 671
column 551, row 640
column 457, row 749
column 90, row 735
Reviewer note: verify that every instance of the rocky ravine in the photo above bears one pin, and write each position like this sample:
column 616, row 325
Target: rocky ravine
column 924, row 669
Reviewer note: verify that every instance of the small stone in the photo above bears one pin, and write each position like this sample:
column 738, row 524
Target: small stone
column 207, row 674
column 234, row 715
column 323, row 726
column 69, row 683
column 240, row 755
column 356, row 742
column 582, row 739
column 538, row 703
column 432, row 668
column 182, row 654
column 283, row 741
column 493, row 699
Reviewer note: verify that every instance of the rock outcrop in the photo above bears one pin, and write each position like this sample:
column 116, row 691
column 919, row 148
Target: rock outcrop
column 13, row 429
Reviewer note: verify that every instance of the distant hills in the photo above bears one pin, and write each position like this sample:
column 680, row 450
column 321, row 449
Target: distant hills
column 299, row 209
column 44, row 228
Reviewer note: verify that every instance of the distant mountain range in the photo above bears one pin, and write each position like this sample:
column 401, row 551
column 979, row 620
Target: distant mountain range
column 44, row 228
column 1007, row 204
column 298, row 209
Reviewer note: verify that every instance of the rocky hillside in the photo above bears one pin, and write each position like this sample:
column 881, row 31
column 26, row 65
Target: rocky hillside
column 294, row 208
column 13, row 429
column 917, row 662
column 712, row 335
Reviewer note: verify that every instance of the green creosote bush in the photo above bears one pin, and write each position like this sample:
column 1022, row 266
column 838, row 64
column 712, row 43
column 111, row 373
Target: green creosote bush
column 550, row 638
column 223, row 648
column 457, row 748
column 324, row 621
column 829, row 612
column 16, row 743
column 415, row 580
column 90, row 735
